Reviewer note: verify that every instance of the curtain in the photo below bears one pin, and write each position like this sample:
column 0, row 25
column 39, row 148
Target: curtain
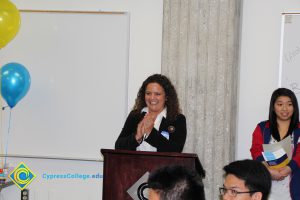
column 200, row 54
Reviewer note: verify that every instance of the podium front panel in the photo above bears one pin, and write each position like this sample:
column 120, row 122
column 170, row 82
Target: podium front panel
column 123, row 168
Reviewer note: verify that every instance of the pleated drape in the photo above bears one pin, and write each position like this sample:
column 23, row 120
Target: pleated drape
column 200, row 54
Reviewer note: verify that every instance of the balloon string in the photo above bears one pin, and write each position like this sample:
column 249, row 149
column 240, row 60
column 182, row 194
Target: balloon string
column 1, row 133
column 1, row 136
column 1, row 121
column 7, row 139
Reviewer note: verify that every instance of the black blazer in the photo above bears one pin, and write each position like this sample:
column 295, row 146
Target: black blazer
column 176, row 130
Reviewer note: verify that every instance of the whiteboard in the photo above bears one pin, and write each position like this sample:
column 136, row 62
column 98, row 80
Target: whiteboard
column 77, row 102
column 289, row 75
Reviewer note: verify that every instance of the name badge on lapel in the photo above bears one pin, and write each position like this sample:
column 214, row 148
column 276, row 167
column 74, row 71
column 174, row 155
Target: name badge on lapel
column 165, row 134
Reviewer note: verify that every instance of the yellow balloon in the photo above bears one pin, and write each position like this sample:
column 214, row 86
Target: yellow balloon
column 10, row 21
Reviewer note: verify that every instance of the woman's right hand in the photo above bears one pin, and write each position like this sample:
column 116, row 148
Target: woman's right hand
column 144, row 127
column 148, row 123
column 139, row 132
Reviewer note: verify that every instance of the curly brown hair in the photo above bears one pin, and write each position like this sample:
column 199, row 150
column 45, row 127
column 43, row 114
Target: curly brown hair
column 172, row 103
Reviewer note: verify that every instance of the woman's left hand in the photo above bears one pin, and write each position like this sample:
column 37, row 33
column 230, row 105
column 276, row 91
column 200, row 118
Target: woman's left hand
column 285, row 171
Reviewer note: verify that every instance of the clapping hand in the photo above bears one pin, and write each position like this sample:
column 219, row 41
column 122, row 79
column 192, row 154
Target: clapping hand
column 148, row 123
column 145, row 127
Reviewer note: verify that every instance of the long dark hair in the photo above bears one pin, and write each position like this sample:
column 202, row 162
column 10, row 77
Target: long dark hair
column 272, row 115
column 172, row 102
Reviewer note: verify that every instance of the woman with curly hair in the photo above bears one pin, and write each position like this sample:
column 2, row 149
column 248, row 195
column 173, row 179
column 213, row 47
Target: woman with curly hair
column 155, row 122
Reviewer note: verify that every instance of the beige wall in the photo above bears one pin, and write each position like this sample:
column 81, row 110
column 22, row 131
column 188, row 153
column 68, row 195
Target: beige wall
column 259, row 64
column 144, row 59
column 145, row 31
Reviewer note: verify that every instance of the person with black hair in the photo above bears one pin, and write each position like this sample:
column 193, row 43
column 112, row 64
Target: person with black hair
column 155, row 122
column 283, row 122
column 176, row 183
column 246, row 180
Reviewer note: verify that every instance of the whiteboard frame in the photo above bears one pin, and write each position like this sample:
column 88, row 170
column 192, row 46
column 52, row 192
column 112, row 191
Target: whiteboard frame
column 125, row 87
column 281, row 54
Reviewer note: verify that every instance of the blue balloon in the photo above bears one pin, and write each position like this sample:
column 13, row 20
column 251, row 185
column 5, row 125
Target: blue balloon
column 15, row 83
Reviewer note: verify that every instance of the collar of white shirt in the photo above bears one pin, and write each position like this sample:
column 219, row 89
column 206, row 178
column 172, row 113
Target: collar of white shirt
column 159, row 117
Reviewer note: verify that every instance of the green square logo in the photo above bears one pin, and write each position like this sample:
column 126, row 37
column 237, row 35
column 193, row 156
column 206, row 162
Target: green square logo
column 22, row 176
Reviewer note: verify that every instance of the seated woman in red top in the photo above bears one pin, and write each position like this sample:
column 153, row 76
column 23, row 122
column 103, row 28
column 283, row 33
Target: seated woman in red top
column 155, row 122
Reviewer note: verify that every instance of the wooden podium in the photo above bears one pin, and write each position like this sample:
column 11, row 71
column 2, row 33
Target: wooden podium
column 123, row 168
